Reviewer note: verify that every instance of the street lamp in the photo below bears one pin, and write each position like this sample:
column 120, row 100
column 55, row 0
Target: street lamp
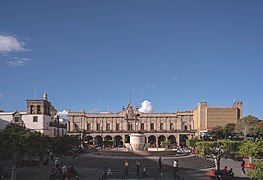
column 56, row 117
column 137, row 119
column 245, row 131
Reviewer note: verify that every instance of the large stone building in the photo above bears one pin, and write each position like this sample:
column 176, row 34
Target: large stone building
column 96, row 128
column 206, row 117
column 40, row 116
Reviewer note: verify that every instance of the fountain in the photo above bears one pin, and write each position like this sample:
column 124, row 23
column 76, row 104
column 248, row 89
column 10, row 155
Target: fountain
column 137, row 142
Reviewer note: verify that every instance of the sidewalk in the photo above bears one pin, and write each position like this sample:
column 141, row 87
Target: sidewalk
column 236, row 167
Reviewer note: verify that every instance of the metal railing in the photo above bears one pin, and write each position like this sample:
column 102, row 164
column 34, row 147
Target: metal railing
column 153, row 175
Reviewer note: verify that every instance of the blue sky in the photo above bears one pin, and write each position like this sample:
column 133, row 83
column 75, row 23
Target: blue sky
column 99, row 55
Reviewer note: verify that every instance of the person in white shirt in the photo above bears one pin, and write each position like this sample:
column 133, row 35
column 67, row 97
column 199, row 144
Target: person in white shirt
column 175, row 165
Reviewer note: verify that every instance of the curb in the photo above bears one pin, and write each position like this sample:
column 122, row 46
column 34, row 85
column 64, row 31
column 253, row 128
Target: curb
column 206, row 160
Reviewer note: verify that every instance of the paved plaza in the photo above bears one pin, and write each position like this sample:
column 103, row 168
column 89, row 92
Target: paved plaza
column 90, row 167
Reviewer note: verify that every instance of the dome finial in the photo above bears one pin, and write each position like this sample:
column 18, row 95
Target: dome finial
column 45, row 96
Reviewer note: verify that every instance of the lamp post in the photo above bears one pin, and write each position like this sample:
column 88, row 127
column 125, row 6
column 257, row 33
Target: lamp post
column 56, row 117
column 245, row 130
column 137, row 119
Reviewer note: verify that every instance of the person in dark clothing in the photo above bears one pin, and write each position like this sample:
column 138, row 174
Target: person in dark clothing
column 138, row 165
column 243, row 166
column 231, row 173
column 160, row 164
column 126, row 166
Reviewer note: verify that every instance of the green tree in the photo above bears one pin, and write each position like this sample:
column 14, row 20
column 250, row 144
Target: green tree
column 165, row 144
column 217, row 132
column 12, row 146
column 229, row 130
column 35, row 143
column 64, row 144
column 251, row 149
column 258, row 131
column 218, row 149
column 247, row 123
column 258, row 172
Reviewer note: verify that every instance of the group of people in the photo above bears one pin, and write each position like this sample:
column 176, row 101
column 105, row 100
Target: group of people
column 62, row 171
column 228, row 172
column 138, row 167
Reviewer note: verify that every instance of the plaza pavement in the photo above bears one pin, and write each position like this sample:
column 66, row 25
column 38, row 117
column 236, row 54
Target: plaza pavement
column 89, row 167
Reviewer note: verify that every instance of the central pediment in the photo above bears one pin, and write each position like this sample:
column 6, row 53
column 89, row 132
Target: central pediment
column 130, row 112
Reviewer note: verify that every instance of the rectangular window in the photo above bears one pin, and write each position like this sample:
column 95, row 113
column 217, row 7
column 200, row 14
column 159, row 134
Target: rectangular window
column 62, row 133
column 35, row 119
column 171, row 126
column 161, row 126
column 142, row 126
column 88, row 127
column 130, row 127
column 108, row 127
column 16, row 119
column 152, row 126
column 98, row 126
column 185, row 127
column 55, row 132
column 117, row 127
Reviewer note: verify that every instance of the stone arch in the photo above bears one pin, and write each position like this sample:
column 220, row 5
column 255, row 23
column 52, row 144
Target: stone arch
column 152, row 140
column 108, row 141
column 98, row 140
column 118, row 141
column 160, row 139
column 183, row 139
column 172, row 139
column 88, row 141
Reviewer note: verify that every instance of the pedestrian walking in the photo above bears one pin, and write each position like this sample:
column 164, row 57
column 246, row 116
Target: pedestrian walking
column 138, row 165
column 243, row 166
column 51, row 155
column 64, row 172
column 144, row 172
column 126, row 166
column 160, row 163
column 56, row 162
column 175, row 165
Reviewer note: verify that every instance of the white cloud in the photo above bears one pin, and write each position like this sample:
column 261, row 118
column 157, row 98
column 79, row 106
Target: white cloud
column 18, row 62
column 10, row 44
column 63, row 114
column 146, row 107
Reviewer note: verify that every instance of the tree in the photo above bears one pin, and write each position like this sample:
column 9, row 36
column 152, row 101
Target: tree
column 35, row 143
column 258, row 131
column 165, row 144
column 12, row 146
column 62, row 145
column 229, row 130
column 251, row 149
column 247, row 123
column 217, row 132
column 218, row 149
column 258, row 172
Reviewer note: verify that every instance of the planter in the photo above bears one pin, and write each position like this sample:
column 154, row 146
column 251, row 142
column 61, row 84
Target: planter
column 249, row 166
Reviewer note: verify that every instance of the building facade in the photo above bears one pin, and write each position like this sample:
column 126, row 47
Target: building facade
column 206, row 117
column 40, row 116
column 97, row 128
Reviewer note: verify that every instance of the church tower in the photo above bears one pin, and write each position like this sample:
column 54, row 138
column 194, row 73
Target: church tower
column 39, row 106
